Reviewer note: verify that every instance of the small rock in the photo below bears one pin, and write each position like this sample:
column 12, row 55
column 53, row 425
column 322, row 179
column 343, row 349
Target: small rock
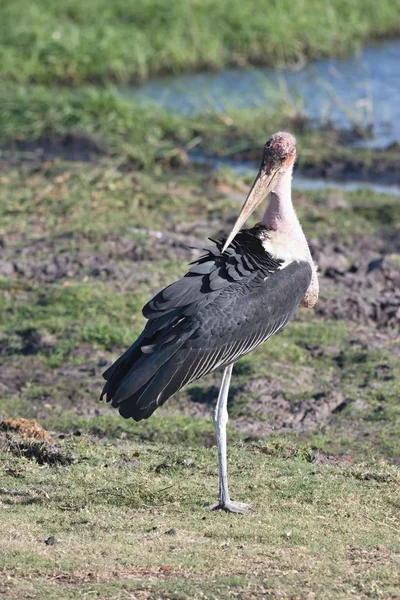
column 130, row 464
column 51, row 541
column 375, row 264
column 170, row 532
column 6, row 268
column 162, row 467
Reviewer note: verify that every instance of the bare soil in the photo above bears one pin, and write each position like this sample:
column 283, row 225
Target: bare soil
column 360, row 283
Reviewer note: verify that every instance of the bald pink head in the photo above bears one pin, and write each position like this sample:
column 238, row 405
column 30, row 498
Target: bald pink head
column 279, row 152
column 277, row 161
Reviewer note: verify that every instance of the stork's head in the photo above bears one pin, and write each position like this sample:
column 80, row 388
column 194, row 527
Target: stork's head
column 278, row 158
column 279, row 153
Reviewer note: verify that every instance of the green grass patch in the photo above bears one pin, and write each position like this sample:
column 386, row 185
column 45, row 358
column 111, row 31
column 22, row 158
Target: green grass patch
column 115, row 124
column 78, row 204
column 120, row 126
column 76, row 314
column 174, row 430
column 148, row 137
column 74, row 42
column 121, row 522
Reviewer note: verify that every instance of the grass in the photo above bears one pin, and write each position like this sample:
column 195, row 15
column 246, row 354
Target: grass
column 55, row 324
column 124, row 128
column 115, row 509
column 125, row 527
column 114, row 124
column 95, row 41
column 80, row 203
column 129, row 511
column 147, row 137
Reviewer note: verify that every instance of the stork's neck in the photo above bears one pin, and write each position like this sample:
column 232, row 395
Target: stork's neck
column 280, row 215
column 288, row 241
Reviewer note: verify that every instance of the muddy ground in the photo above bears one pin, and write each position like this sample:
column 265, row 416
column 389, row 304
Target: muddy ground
column 359, row 279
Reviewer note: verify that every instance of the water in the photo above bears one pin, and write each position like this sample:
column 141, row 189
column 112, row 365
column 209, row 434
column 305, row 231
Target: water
column 306, row 183
column 299, row 182
column 363, row 89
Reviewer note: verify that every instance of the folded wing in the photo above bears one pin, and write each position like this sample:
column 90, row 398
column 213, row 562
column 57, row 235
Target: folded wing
column 225, row 306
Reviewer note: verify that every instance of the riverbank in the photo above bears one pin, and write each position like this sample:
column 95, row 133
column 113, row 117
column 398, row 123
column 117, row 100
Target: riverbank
column 38, row 123
column 95, row 41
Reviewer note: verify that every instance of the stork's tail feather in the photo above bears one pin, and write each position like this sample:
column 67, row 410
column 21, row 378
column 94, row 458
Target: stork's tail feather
column 138, row 389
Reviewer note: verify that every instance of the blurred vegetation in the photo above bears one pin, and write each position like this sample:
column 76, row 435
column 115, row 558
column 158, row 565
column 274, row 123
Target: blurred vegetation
column 77, row 41
column 147, row 135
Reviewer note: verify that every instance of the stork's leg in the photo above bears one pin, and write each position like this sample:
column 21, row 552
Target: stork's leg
column 220, row 422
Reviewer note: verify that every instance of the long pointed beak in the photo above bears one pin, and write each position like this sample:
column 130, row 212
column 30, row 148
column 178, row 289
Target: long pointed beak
column 263, row 184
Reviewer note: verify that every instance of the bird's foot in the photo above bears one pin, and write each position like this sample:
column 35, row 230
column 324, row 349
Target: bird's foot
column 234, row 507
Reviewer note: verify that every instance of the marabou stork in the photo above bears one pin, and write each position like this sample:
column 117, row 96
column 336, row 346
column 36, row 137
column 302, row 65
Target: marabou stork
column 234, row 297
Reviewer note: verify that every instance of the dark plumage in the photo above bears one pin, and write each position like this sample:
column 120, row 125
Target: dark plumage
column 234, row 297
column 225, row 306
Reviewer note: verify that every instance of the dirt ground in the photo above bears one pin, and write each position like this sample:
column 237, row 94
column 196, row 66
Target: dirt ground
column 359, row 279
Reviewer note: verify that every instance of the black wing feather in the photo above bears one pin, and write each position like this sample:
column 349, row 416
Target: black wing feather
column 226, row 305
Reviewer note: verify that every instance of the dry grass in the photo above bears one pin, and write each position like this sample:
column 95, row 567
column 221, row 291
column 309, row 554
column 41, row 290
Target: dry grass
column 26, row 428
